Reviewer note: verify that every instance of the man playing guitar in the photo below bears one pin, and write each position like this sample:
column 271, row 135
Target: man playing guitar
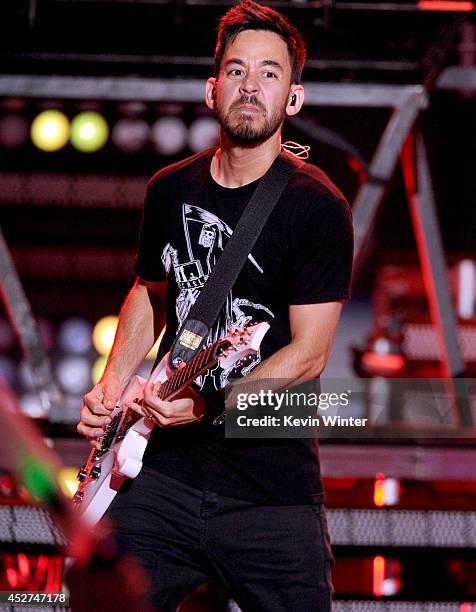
column 247, row 513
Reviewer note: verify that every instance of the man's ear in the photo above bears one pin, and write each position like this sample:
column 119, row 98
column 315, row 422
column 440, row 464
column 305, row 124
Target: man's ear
column 296, row 100
column 210, row 93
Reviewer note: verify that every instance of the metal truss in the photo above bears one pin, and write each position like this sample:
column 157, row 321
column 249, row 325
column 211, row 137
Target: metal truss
column 189, row 90
column 21, row 318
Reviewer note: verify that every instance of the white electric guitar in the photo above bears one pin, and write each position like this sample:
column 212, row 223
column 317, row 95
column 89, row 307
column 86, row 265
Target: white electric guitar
column 125, row 438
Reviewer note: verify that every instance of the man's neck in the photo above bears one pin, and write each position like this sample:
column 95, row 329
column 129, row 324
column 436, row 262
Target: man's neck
column 234, row 166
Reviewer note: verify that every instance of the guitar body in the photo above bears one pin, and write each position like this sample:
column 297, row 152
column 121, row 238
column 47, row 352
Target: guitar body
column 125, row 439
column 124, row 459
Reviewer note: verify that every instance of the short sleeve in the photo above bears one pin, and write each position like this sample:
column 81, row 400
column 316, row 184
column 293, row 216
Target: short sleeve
column 321, row 262
column 148, row 260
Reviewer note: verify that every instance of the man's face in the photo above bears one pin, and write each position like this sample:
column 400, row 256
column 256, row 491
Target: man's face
column 253, row 87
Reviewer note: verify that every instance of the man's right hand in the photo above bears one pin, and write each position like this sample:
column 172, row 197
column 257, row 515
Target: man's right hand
column 97, row 407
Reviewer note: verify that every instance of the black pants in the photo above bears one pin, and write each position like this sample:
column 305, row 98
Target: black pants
column 269, row 558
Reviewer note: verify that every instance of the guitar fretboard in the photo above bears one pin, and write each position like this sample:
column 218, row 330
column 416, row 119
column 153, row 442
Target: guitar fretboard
column 181, row 379
column 186, row 374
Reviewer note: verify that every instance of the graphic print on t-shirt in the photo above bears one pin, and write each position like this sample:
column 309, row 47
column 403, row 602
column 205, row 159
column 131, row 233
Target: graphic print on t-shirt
column 206, row 235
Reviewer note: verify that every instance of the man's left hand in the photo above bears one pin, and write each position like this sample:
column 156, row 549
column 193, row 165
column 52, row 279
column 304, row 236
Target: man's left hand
column 188, row 409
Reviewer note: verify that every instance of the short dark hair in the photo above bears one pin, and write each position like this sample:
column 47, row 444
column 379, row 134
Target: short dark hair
column 249, row 15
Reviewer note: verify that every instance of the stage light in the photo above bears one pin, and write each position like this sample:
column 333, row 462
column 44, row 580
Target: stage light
column 131, row 134
column 459, row 6
column 73, row 374
column 89, row 132
column 13, row 131
column 152, row 354
column 98, row 368
column 67, row 480
column 378, row 576
column 204, row 133
column 386, row 581
column 379, row 493
column 7, row 485
column 50, row 131
column 384, row 354
column 31, row 405
column 74, row 336
column 103, row 334
column 169, row 135
column 386, row 491
column 466, row 288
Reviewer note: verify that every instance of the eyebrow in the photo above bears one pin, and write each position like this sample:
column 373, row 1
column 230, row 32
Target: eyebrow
column 267, row 62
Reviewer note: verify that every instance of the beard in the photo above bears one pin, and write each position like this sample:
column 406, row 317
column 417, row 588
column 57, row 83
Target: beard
column 245, row 129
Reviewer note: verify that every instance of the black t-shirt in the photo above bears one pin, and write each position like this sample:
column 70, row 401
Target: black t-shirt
column 303, row 256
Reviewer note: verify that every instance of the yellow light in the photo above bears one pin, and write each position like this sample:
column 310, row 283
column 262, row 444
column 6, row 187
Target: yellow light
column 379, row 490
column 103, row 334
column 98, row 368
column 379, row 567
column 67, row 480
column 152, row 354
column 89, row 132
column 50, row 131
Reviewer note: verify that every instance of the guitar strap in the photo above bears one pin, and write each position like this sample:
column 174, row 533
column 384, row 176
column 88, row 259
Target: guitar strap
column 204, row 312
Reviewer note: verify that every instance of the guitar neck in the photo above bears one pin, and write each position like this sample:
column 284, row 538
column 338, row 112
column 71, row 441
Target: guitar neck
column 176, row 383
column 184, row 377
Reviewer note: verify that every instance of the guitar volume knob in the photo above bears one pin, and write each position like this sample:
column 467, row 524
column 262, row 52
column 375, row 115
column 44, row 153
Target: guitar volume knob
column 95, row 472
column 82, row 474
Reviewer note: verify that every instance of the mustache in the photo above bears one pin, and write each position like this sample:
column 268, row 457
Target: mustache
column 251, row 99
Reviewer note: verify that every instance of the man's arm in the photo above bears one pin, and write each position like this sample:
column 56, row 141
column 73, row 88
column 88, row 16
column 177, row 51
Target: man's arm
column 141, row 318
column 313, row 327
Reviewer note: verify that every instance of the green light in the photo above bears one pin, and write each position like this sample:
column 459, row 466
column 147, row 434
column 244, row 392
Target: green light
column 89, row 132
column 50, row 131
column 37, row 479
